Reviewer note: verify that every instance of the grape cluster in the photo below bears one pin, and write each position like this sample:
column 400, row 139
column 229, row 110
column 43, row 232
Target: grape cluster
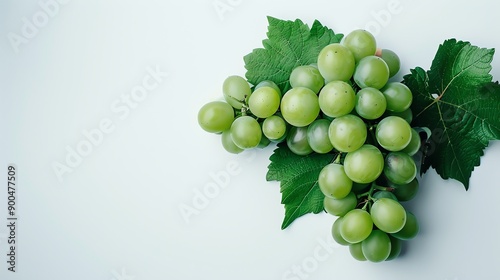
column 346, row 105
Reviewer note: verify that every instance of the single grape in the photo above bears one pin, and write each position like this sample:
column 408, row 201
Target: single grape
column 392, row 60
column 393, row 133
column 307, row 76
column 317, row 136
column 268, row 83
column 340, row 207
column 405, row 192
column 396, row 245
column 336, row 232
column 228, row 143
column 236, row 90
column 347, row 133
column 365, row 164
column 246, row 132
column 264, row 102
column 357, row 252
column 410, row 229
column 399, row 168
column 296, row 140
column 216, row 116
column 361, row 43
column 377, row 246
column 336, row 63
column 356, row 226
column 386, row 194
column 274, row 127
column 299, row 106
column 414, row 145
column 398, row 96
column 371, row 71
column 333, row 181
column 336, row 99
column 370, row 103
column 388, row 215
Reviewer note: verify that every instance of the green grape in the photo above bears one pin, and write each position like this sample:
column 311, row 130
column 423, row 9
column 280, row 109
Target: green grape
column 268, row 83
column 336, row 232
column 361, row 43
column 264, row 102
column 336, row 63
column 406, row 115
column 405, row 192
column 414, row 145
column 228, row 143
column 371, row 71
column 296, row 140
column 386, row 194
column 246, row 132
column 370, row 103
column 236, row 90
column 410, row 229
column 377, row 246
column 307, row 76
column 336, row 99
column 317, row 136
column 216, row 116
column 396, row 245
column 356, row 226
column 299, row 106
column 340, row 207
column 393, row 133
column 388, row 215
column 365, row 164
column 357, row 252
column 274, row 128
column 398, row 96
column 392, row 60
column 333, row 181
column 399, row 168
column 347, row 133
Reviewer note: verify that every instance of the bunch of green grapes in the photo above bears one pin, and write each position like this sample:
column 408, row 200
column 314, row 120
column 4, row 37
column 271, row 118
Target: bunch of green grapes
column 370, row 130
column 345, row 105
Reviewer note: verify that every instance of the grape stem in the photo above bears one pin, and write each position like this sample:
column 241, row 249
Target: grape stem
column 368, row 195
column 337, row 159
column 244, row 110
column 380, row 188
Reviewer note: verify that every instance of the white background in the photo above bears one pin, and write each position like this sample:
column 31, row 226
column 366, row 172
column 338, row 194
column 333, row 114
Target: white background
column 116, row 214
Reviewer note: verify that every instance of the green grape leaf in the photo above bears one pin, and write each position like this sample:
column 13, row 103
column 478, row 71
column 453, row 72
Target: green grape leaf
column 298, row 176
column 289, row 44
column 457, row 100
